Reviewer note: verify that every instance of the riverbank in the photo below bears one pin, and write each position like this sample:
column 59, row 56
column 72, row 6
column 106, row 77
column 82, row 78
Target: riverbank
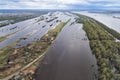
column 104, row 47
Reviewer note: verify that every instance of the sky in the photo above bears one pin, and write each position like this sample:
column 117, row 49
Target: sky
column 60, row 4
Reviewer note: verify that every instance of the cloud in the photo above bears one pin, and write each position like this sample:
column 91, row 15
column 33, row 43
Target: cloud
column 73, row 1
column 58, row 4
column 33, row 4
column 43, row 5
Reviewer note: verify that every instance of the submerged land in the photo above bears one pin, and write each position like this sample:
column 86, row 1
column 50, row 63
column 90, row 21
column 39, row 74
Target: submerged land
column 60, row 46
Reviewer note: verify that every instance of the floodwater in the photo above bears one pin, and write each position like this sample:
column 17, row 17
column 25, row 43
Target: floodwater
column 110, row 20
column 69, row 57
column 29, row 30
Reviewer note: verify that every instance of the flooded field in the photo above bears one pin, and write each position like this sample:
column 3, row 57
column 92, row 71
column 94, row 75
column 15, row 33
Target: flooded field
column 30, row 30
column 60, row 40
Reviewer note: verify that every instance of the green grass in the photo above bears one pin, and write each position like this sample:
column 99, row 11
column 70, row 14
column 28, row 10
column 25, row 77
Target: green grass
column 5, row 37
column 2, row 38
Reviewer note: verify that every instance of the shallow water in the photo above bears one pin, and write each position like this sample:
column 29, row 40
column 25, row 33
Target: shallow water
column 26, row 28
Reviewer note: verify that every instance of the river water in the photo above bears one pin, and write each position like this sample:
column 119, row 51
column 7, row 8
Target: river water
column 69, row 57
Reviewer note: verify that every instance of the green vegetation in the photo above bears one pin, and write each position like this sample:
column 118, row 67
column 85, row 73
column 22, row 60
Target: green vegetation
column 12, row 59
column 111, row 31
column 104, row 47
column 4, row 53
column 3, row 24
column 94, row 30
column 3, row 38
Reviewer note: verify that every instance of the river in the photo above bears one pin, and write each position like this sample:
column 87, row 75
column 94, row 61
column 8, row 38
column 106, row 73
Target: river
column 69, row 57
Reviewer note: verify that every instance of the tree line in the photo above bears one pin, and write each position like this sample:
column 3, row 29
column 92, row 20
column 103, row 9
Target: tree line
column 104, row 47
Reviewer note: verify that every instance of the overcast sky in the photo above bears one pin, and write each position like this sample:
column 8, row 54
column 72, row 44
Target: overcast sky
column 59, row 4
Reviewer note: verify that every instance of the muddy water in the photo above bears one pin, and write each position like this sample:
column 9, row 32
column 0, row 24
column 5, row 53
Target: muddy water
column 69, row 58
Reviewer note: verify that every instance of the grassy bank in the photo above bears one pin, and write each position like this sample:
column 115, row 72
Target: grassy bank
column 104, row 47
column 18, row 58
column 111, row 31
column 15, row 18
